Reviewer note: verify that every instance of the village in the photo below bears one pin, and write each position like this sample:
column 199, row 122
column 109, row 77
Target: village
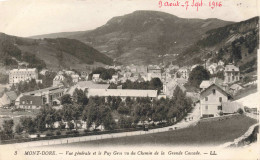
column 123, row 95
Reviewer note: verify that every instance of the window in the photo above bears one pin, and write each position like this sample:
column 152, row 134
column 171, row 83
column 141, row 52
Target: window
column 206, row 107
column 206, row 98
column 220, row 99
column 213, row 91
column 219, row 107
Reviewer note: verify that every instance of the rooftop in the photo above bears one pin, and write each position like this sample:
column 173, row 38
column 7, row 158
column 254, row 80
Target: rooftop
column 205, row 84
column 87, row 84
column 36, row 100
column 11, row 95
column 231, row 67
column 122, row 93
column 25, row 69
column 50, row 89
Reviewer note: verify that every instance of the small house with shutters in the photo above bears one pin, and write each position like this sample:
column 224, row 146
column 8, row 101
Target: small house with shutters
column 211, row 100
column 30, row 102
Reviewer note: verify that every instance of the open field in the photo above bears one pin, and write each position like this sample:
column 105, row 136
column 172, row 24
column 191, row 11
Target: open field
column 204, row 133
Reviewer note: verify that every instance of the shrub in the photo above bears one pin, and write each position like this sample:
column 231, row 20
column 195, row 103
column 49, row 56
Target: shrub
column 86, row 130
column 240, row 111
column 68, row 132
column 221, row 113
column 96, row 130
column 75, row 132
column 18, row 137
column 48, row 134
column 62, row 125
column 58, row 133
column 71, row 125
column 18, row 128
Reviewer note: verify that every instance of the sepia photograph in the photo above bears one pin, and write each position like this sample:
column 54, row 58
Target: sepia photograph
column 129, row 79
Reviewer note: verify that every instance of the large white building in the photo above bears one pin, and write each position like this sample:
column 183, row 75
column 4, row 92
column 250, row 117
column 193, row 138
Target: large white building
column 18, row 75
column 122, row 93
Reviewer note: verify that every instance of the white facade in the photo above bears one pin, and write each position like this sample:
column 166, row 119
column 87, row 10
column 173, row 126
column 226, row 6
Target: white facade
column 231, row 74
column 57, row 81
column 184, row 72
column 211, row 100
column 18, row 75
column 75, row 78
column 95, row 77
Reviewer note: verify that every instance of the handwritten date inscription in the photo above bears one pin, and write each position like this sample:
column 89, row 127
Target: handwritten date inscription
column 192, row 3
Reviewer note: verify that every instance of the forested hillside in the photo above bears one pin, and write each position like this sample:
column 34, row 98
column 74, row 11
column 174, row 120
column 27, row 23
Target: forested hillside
column 50, row 53
column 236, row 43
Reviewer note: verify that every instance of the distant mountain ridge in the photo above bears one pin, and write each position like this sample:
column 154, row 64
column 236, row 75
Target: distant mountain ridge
column 141, row 36
column 51, row 53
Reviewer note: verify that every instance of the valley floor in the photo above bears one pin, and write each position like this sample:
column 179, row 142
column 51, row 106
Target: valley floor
column 204, row 133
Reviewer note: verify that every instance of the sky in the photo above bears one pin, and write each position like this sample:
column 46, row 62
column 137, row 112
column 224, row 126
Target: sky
column 35, row 17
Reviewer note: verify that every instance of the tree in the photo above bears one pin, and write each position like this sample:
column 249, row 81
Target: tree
column 79, row 97
column 66, row 99
column 18, row 128
column 67, row 82
column 240, row 111
column 7, row 128
column 106, row 118
column 123, row 109
column 155, row 83
column 197, row 75
column 47, row 79
column 29, row 125
column 125, row 122
column 115, row 102
column 70, row 125
column 68, row 112
column 236, row 52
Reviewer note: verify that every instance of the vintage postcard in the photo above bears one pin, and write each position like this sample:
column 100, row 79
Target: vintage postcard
column 129, row 79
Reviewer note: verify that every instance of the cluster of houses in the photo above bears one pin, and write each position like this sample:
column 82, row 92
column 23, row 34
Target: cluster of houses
column 215, row 95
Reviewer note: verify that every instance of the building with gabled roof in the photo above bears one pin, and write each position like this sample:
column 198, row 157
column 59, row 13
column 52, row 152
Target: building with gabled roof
column 86, row 85
column 57, row 80
column 211, row 100
column 48, row 95
column 30, row 102
column 123, row 93
column 169, row 87
column 231, row 74
column 234, row 88
column 8, row 98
